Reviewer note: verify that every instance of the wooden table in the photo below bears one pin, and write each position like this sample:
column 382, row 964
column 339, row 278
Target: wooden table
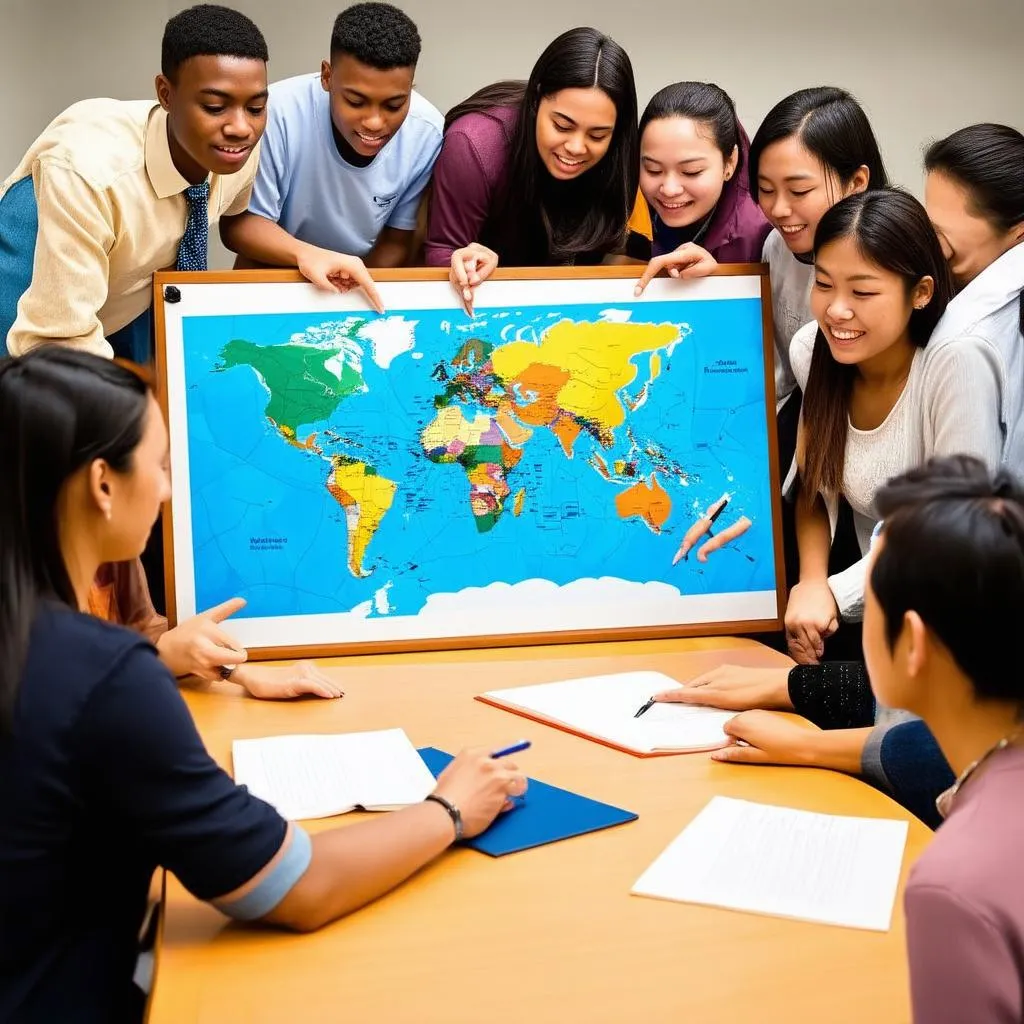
column 550, row 934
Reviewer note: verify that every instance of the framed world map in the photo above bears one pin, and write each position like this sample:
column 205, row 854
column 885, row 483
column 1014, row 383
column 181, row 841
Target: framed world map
column 570, row 463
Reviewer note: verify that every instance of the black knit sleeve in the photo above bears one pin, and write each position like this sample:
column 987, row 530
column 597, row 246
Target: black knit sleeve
column 833, row 695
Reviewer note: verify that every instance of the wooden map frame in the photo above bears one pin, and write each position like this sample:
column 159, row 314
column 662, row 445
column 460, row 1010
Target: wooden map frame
column 175, row 279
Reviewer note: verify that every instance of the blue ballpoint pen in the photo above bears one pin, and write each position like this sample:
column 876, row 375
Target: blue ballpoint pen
column 513, row 749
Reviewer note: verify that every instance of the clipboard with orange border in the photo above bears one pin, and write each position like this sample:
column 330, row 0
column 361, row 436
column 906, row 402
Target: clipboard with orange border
column 604, row 709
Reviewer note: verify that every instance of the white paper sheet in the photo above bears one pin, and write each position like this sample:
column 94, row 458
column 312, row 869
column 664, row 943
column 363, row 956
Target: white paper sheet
column 319, row 776
column 605, row 706
column 784, row 862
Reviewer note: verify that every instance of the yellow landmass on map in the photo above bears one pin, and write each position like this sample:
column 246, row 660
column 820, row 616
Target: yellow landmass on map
column 450, row 425
column 517, row 506
column 365, row 496
column 593, row 361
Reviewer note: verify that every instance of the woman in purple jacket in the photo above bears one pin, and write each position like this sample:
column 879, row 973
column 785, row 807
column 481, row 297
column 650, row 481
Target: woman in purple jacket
column 693, row 176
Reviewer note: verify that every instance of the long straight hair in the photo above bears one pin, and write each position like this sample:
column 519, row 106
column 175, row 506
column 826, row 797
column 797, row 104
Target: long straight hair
column 539, row 219
column 60, row 409
column 988, row 161
column 892, row 231
column 831, row 125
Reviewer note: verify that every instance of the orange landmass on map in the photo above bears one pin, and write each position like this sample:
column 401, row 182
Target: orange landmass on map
column 648, row 500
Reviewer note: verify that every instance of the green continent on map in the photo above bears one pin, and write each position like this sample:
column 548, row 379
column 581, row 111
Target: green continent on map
column 305, row 383
column 365, row 496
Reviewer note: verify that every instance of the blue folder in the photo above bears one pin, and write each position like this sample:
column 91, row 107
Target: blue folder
column 547, row 815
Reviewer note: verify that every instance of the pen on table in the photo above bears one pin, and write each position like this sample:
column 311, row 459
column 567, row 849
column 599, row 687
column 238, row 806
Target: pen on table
column 645, row 707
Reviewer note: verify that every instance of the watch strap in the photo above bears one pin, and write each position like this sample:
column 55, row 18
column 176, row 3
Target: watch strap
column 453, row 812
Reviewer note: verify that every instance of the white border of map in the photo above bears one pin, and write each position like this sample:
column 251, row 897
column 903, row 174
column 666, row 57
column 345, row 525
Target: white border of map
column 526, row 607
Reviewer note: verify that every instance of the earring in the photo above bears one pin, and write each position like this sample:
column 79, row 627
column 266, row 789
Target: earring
column 106, row 512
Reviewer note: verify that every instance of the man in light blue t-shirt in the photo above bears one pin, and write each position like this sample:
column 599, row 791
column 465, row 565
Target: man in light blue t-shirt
column 345, row 157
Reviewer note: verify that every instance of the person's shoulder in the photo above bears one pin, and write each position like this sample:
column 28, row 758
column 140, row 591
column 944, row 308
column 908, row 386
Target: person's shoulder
column 100, row 140
column 483, row 126
column 774, row 248
column 295, row 94
column 424, row 118
column 76, row 652
column 961, row 357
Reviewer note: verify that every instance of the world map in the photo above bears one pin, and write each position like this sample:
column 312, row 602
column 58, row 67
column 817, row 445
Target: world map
column 373, row 465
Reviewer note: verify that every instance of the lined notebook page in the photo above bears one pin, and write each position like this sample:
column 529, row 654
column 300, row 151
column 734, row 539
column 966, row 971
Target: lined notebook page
column 784, row 862
column 319, row 776
column 605, row 706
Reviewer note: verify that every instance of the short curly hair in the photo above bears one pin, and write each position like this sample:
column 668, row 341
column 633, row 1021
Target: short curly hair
column 378, row 35
column 209, row 29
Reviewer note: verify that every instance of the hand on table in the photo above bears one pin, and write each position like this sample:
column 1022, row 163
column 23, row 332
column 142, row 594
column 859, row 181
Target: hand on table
column 481, row 787
column 275, row 682
column 761, row 737
column 735, row 688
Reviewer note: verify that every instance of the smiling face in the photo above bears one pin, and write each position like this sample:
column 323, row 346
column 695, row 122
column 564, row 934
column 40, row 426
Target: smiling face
column 574, row 131
column 368, row 105
column 863, row 310
column 216, row 113
column 970, row 242
column 795, row 190
column 682, row 170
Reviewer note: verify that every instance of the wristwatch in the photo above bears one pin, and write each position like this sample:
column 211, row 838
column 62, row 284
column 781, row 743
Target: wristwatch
column 227, row 671
column 453, row 812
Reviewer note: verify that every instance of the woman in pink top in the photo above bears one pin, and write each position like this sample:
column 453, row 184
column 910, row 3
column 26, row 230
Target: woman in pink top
column 541, row 174
column 941, row 617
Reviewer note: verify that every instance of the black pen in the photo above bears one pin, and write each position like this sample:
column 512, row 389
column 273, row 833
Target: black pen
column 644, row 708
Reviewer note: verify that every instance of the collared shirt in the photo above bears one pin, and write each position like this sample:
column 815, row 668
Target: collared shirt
column 988, row 311
column 111, row 211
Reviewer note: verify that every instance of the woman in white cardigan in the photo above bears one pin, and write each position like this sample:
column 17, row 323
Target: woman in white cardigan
column 878, row 400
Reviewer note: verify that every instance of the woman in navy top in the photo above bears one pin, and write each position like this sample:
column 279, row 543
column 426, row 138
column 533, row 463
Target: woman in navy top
column 103, row 776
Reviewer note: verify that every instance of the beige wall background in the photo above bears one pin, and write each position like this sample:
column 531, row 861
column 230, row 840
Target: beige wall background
column 922, row 68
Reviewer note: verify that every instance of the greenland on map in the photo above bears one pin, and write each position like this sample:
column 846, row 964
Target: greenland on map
column 570, row 458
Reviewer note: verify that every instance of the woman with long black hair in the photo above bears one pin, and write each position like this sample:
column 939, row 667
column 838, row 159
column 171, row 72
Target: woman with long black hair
column 542, row 173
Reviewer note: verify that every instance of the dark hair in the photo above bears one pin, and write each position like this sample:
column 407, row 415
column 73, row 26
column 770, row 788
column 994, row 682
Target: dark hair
column 703, row 102
column 59, row 410
column 954, row 553
column 832, row 125
column 892, row 231
column 378, row 35
column 209, row 29
column 539, row 219
column 988, row 161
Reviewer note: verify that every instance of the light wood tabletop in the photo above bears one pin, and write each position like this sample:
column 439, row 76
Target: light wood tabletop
column 550, row 934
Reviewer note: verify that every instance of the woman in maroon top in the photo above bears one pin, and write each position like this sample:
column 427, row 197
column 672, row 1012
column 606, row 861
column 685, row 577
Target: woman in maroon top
column 541, row 174
column 693, row 176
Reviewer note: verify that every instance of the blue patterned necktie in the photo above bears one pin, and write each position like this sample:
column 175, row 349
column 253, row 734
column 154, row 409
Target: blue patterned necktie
column 192, row 252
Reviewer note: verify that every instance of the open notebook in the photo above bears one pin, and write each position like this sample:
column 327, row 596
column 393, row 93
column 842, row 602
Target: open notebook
column 320, row 776
column 602, row 708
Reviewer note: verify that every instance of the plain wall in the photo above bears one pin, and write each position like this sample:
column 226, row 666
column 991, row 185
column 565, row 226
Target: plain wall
column 922, row 68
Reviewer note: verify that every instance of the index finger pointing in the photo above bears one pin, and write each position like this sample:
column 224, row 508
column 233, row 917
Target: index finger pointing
column 224, row 610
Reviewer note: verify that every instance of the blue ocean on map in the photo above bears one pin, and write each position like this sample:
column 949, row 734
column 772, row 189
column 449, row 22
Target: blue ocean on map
column 365, row 462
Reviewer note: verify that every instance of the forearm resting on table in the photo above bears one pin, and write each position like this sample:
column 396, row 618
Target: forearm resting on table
column 353, row 865
column 840, row 750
